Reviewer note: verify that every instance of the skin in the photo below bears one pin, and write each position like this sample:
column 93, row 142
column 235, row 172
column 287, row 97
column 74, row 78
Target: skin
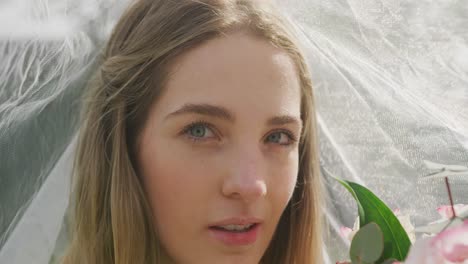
column 225, row 168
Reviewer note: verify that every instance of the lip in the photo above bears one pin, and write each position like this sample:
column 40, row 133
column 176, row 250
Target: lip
column 232, row 238
column 238, row 221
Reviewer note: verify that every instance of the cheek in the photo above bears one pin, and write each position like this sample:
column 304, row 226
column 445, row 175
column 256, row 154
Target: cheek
column 284, row 180
column 177, row 185
column 281, row 186
column 181, row 189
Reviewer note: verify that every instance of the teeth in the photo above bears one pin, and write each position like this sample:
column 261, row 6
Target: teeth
column 236, row 227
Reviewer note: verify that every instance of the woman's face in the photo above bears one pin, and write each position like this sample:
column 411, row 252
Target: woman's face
column 219, row 152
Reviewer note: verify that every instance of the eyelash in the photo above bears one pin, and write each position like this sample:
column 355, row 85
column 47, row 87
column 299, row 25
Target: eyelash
column 187, row 129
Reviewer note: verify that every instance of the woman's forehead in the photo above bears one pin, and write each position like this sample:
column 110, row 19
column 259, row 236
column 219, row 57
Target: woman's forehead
column 236, row 53
column 238, row 71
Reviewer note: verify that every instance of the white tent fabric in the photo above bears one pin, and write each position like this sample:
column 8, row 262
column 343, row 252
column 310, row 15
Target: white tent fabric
column 391, row 87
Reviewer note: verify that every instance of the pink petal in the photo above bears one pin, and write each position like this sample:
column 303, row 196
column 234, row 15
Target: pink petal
column 458, row 254
column 445, row 211
column 422, row 252
column 453, row 243
column 345, row 232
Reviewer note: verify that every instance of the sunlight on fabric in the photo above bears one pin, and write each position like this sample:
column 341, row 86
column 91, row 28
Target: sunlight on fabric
column 34, row 237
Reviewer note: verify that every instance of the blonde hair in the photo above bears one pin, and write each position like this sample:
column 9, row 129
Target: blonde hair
column 111, row 220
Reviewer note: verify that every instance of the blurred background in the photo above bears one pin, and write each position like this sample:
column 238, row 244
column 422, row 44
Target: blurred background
column 391, row 89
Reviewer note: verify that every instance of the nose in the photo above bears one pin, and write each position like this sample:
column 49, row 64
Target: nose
column 246, row 176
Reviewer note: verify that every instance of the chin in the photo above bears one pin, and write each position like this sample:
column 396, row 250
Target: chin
column 246, row 259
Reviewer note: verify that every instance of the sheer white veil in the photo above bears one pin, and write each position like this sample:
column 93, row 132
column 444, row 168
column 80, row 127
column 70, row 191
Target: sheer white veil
column 391, row 86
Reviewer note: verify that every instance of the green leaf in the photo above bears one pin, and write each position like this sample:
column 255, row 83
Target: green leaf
column 367, row 245
column 372, row 209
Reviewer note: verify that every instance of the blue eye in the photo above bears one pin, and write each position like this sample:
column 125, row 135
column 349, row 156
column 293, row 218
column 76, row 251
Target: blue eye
column 280, row 138
column 198, row 131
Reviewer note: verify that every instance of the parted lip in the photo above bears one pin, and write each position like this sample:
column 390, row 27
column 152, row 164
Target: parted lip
column 237, row 221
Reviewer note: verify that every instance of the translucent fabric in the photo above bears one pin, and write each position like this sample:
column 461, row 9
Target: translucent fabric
column 391, row 88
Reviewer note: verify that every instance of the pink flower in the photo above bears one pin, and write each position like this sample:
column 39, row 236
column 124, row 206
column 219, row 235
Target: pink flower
column 447, row 247
column 446, row 214
column 446, row 210
column 348, row 233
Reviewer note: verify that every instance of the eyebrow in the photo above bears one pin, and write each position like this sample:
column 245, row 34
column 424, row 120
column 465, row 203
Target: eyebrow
column 222, row 113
